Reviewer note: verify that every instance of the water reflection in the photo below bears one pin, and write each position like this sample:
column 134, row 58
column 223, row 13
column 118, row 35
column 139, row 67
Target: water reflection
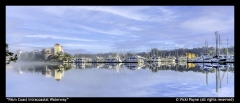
column 219, row 69
column 58, row 72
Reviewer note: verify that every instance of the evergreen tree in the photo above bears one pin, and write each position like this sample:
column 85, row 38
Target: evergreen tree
column 9, row 56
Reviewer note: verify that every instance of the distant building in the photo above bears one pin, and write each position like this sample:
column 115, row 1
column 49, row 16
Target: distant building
column 47, row 52
column 62, row 49
column 19, row 52
column 57, row 48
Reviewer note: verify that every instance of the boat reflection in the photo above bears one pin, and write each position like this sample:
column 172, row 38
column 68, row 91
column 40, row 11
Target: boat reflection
column 57, row 71
column 134, row 66
column 220, row 70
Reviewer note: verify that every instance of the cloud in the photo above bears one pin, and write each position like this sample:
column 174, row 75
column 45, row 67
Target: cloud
column 76, row 51
column 134, row 13
column 115, row 11
column 139, row 27
column 57, row 37
column 94, row 48
column 25, row 47
column 112, row 32
column 208, row 24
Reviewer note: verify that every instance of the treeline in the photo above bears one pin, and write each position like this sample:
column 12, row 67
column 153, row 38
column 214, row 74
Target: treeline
column 165, row 53
column 39, row 56
column 183, row 51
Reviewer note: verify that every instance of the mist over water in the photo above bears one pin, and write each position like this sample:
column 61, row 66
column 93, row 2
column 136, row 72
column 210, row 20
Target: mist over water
column 39, row 79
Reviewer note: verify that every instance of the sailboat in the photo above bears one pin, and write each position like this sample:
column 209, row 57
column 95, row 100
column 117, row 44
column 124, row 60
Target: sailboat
column 230, row 58
column 219, row 57
column 205, row 57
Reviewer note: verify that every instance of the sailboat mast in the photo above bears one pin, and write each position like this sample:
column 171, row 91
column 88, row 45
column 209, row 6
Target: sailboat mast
column 227, row 47
column 219, row 45
column 216, row 43
column 207, row 46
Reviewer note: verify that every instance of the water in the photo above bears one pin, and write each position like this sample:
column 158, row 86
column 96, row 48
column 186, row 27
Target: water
column 119, row 80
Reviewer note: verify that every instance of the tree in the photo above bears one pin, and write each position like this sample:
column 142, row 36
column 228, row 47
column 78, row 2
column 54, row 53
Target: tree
column 49, row 58
column 39, row 56
column 9, row 56
column 66, row 57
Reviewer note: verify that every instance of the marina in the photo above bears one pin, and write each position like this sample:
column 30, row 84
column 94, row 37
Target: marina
column 120, row 51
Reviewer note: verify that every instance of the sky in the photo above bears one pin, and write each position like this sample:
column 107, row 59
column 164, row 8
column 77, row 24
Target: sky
column 104, row 29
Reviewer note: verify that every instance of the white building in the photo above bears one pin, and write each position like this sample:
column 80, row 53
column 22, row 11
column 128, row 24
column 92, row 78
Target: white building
column 19, row 52
column 48, row 51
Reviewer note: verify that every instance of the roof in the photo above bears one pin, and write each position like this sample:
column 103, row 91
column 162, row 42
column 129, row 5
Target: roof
column 57, row 44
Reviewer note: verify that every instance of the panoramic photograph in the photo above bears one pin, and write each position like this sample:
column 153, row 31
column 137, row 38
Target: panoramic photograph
column 119, row 51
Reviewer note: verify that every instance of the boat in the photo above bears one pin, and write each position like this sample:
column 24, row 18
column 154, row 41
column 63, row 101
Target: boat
column 98, row 59
column 134, row 59
column 181, row 59
column 171, row 59
column 109, row 59
column 230, row 58
column 154, row 59
column 116, row 59
column 220, row 58
column 204, row 58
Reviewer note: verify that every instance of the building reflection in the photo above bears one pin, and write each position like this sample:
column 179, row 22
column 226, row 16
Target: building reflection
column 56, row 71
column 48, row 72
column 59, row 73
column 20, row 71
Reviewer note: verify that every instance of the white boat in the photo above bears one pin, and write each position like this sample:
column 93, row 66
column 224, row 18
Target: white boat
column 230, row 58
column 204, row 58
column 109, row 59
column 181, row 59
column 220, row 58
column 80, row 60
column 154, row 59
column 115, row 59
column 134, row 58
column 98, row 59
column 171, row 59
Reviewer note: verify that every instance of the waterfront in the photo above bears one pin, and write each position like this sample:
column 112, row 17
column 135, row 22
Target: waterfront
column 118, row 80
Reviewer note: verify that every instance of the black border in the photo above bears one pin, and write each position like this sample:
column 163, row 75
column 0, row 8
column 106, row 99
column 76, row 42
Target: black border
column 16, row 3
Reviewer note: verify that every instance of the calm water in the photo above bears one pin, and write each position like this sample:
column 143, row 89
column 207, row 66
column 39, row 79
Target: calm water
column 119, row 80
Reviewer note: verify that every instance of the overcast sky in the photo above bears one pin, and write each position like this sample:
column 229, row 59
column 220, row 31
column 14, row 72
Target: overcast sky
column 103, row 29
